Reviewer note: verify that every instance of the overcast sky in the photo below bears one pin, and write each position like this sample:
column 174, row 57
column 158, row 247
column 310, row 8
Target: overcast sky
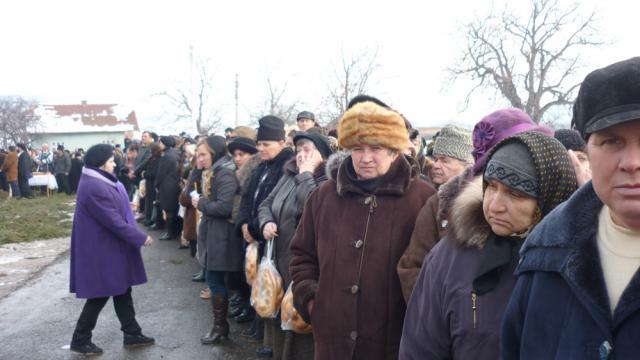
column 126, row 51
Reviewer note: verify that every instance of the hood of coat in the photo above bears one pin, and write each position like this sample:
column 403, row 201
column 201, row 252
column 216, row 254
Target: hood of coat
column 291, row 168
column 403, row 171
column 225, row 162
column 333, row 163
column 467, row 218
column 244, row 173
column 449, row 191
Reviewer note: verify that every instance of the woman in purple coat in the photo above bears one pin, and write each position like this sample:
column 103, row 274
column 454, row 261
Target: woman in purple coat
column 105, row 251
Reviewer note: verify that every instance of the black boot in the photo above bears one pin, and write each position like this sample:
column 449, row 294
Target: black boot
column 87, row 349
column 167, row 236
column 131, row 340
column 220, row 331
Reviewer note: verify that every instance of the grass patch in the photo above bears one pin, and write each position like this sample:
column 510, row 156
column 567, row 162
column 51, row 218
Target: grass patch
column 36, row 219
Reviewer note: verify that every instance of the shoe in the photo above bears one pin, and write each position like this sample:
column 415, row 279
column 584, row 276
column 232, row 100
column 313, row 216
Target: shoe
column 198, row 277
column 155, row 226
column 245, row 316
column 167, row 236
column 86, row 349
column 233, row 299
column 205, row 294
column 141, row 220
column 220, row 331
column 147, row 222
column 137, row 340
column 264, row 352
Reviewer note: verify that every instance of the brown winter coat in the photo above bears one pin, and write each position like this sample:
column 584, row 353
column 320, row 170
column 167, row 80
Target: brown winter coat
column 10, row 166
column 358, row 312
column 431, row 226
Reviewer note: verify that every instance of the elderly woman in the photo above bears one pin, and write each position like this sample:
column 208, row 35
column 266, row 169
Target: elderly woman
column 351, row 235
column 433, row 220
column 105, row 251
column 456, row 308
column 279, row 215
column 219, row 247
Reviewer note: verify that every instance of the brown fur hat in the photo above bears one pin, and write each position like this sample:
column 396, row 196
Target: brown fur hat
column 245, row 131
column 372, row 124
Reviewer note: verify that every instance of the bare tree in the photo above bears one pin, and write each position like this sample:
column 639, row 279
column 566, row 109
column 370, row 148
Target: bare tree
column 531, row 61
column 17, row 119
column 352, row 77
column 277, row 104
column 195, row 102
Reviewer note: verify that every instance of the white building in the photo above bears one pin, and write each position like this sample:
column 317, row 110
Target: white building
column 82, row 125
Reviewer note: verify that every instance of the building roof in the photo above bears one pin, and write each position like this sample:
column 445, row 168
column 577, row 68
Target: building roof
column 83, row 118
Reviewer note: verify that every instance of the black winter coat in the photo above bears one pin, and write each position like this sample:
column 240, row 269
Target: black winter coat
column 263, row 179
column 168, row 180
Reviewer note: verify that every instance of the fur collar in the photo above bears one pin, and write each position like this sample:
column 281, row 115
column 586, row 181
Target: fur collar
column 449, row 191
column 403, row 171
column 467, row 218
column 334, row 162
column 244, row 173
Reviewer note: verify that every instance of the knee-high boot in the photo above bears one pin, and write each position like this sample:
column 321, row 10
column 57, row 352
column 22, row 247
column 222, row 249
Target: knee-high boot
column 220, row 331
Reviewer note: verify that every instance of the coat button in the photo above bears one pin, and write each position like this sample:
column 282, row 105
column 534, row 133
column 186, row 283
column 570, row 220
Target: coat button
column 354, row 335
column 354, row 289
column 605, row 350
column 367, row 200
column 358, row 244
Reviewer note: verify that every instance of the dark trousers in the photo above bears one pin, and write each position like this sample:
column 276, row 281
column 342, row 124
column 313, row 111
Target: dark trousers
column 15, row 190
column 89, row 317
column 149, row 198
column 63, row 183
column 4, row 185
column 25, row 190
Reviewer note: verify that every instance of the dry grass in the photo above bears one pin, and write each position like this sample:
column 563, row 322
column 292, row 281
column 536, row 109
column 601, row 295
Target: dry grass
column 35, row 219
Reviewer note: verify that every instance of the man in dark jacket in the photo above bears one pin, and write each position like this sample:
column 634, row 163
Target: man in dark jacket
column 168, row 185
column 24, row 171
column 4, row 185
column 578, row 287
column 62, row 166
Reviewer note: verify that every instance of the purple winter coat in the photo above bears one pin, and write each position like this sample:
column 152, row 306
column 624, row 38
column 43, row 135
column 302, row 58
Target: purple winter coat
column 105, row 240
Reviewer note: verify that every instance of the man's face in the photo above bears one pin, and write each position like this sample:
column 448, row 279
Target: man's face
column 614, row 154
column 445, row 168
column 146, row 138
column 305, row 124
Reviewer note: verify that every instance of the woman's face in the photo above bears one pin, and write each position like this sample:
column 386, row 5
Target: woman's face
column 240, row 157
column 507, row 211
column 203, row 157
column 372, row 161
column 268, row 150
column 109, row 165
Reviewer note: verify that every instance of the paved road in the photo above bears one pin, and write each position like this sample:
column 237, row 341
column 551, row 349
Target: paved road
column 36, row 321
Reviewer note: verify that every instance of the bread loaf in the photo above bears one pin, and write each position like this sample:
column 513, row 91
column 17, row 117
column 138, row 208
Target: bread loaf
column 267, row 292
column 251, row 262
column 291, row 319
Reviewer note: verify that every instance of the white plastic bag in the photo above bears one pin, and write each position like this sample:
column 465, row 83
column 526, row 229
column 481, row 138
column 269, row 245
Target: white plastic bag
column 266, row 291
column 289, row 316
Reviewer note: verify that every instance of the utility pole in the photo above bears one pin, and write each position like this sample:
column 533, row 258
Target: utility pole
column 237, row 100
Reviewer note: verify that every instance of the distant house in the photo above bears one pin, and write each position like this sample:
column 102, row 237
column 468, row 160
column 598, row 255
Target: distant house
column 82, row 125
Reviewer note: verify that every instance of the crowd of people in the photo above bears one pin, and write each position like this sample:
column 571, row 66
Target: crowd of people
column 509, row 240
column 19, row 163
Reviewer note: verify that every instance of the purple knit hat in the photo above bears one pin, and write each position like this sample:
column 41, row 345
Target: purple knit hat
column 497, row 126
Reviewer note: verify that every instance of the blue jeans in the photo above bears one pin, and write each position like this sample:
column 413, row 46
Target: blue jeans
column 215, row 280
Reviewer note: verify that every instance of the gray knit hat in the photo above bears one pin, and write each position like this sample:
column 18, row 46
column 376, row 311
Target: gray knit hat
column 454, row 141
column 512, row 165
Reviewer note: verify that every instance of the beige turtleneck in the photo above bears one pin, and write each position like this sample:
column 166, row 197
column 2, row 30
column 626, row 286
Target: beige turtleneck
column 619, row 250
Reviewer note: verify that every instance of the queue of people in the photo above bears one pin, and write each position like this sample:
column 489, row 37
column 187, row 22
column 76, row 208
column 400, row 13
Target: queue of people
column 508, row 240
